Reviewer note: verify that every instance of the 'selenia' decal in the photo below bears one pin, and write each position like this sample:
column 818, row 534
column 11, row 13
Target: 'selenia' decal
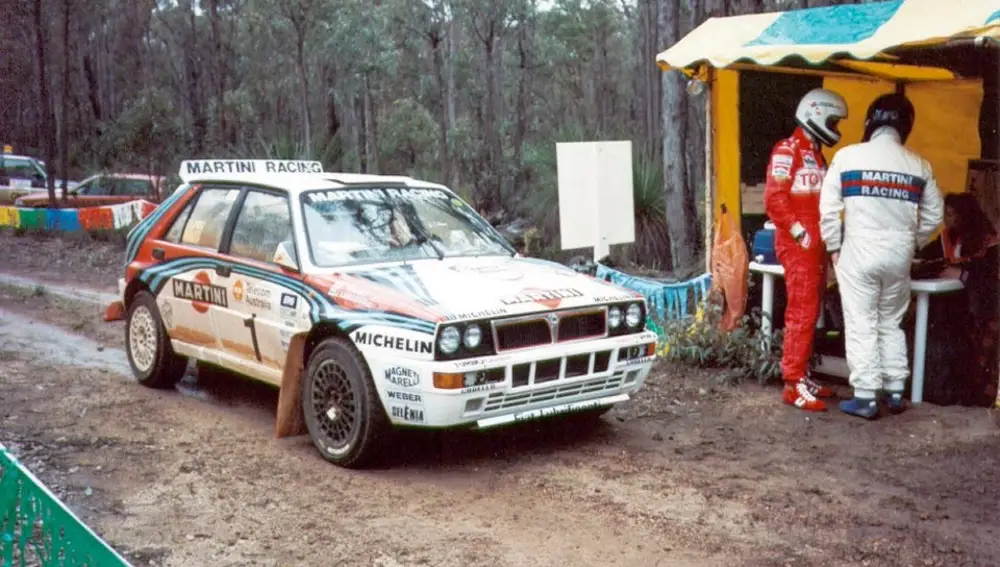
column 321, row 308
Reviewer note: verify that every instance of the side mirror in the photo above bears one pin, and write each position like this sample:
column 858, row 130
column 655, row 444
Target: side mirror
column 284, row 256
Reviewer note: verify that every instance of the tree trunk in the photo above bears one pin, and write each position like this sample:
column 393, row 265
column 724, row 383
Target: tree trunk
column 371, row 142
column 361, row 127
column 521, row 108
column 64, row 131
column 450, row 97
column 191, row 59
column 220, row 73
column 300, row 61
column 47, row 134
column 696, row 134
column 435, row 39
column 682, row 242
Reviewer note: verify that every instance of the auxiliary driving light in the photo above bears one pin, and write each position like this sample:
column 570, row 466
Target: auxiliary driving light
column 473, row 337
column 614, row 317
column 633, row 315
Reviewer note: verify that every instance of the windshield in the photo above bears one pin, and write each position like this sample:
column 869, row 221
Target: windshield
column 19, row 168
column 361, row 226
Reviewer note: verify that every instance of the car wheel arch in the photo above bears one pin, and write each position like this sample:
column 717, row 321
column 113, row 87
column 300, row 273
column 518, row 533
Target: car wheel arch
column 289, row 420
column 134, row 287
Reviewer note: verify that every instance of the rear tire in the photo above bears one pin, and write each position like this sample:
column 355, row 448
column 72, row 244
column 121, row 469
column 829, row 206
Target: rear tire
column 343, row 414
column 153, row 360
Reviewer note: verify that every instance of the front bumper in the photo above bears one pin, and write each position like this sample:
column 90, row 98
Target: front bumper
column 535, row 383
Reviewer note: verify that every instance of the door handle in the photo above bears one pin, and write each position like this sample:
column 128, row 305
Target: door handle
column 159, row 253
column 223, row 271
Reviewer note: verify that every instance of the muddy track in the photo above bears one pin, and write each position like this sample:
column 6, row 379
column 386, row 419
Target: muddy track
column 686, row 474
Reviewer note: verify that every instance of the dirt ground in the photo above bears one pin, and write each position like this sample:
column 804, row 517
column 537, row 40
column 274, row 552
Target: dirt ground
column 72, row 260
column 689, row 473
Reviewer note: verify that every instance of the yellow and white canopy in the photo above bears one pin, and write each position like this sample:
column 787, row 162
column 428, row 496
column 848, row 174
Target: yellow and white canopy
column 853, row 31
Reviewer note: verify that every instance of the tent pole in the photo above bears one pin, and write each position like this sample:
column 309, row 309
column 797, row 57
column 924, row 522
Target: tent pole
column 709, row 170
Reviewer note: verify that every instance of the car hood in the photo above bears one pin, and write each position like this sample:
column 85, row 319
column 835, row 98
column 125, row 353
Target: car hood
column 456, row 289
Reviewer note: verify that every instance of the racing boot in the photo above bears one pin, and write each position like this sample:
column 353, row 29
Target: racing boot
column 860, row 407
column 816, row 389
column 894, row 401
column 797, row 394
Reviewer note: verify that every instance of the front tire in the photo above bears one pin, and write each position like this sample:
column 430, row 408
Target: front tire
column 343, row 414
column 153, row 360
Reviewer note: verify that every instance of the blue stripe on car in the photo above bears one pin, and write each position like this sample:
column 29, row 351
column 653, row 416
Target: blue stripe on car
column 138, row 234
column 321, row 308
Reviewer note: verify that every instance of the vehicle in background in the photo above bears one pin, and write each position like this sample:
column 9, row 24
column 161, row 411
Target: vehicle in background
column 20, row 175
column 103, row 189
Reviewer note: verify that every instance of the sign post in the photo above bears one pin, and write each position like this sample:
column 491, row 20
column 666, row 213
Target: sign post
column 595, row 195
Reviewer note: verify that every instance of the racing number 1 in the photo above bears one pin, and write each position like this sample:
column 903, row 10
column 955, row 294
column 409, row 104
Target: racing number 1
column 251, row 323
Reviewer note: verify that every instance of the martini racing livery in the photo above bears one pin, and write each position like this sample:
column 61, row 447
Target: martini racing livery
column 370, row 302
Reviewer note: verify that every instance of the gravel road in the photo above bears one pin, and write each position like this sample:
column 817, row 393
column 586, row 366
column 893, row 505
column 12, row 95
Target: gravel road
column 689, row 473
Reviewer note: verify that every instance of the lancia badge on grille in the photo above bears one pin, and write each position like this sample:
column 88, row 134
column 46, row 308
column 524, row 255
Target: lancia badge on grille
column 553, row 319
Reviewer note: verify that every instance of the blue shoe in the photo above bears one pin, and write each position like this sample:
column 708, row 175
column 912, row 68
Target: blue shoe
column 895, row 402
column 861, row 407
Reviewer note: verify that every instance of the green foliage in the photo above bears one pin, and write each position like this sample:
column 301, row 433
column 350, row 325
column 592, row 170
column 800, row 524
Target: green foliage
column 652, row 244
column 699, row 341
column 409, row 139
column 147, row 136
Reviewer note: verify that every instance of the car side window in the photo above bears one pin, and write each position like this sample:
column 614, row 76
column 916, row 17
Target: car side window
column 174, row 234
column 263, row 229
column 207, row 221
column 99, row 188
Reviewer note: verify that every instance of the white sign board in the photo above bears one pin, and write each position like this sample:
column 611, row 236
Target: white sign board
column 595, row 195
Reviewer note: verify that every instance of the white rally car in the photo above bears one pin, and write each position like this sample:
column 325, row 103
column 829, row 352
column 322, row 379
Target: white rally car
column 371, row 302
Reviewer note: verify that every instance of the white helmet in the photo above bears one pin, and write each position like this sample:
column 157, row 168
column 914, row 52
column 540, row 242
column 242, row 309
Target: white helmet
column 818, row 114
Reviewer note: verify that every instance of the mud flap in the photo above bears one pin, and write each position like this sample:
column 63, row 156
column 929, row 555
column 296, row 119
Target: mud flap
column 115, row 311
column 290, row 420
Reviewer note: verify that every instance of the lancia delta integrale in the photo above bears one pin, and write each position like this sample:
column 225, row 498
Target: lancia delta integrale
column 371, row 302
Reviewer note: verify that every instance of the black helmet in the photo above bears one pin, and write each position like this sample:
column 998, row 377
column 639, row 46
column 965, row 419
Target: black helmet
column 893, row 110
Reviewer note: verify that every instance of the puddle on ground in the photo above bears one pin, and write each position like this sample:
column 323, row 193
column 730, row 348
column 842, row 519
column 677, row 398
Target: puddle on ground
column 41, row 342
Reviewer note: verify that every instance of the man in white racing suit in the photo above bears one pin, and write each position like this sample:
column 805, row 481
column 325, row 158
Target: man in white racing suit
column 892, row 206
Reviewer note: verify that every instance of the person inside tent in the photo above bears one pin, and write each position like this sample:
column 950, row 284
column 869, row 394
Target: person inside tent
column 968, row 250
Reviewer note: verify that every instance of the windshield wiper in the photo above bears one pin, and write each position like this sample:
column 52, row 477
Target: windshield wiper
column 415, row 226
column 423, row 238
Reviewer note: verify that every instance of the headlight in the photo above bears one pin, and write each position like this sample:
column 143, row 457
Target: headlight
column 448, row 342
column 633, row 315
column 614, row 317
column 473, row 337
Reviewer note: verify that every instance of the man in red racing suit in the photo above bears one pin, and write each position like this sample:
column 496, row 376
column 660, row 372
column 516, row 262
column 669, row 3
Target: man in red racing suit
column 791, row 199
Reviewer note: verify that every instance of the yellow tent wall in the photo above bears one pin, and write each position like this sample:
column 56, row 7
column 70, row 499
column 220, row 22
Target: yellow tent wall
column 946, row 131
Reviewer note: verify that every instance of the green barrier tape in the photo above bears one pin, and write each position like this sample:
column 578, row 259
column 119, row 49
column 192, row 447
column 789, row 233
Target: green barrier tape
column 36, row 528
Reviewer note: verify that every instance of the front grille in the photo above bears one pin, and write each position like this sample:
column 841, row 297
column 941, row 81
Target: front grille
column 546, row 329
column 523, row 334
column 582, row 326
column 501, row 400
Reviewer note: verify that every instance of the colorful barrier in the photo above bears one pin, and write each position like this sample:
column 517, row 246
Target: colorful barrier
column 666, row 301
column 108, row 217
column 36, row 528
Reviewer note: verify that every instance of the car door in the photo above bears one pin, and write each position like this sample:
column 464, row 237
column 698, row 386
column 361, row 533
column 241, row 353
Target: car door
column 189, row 283
column 268, row 306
